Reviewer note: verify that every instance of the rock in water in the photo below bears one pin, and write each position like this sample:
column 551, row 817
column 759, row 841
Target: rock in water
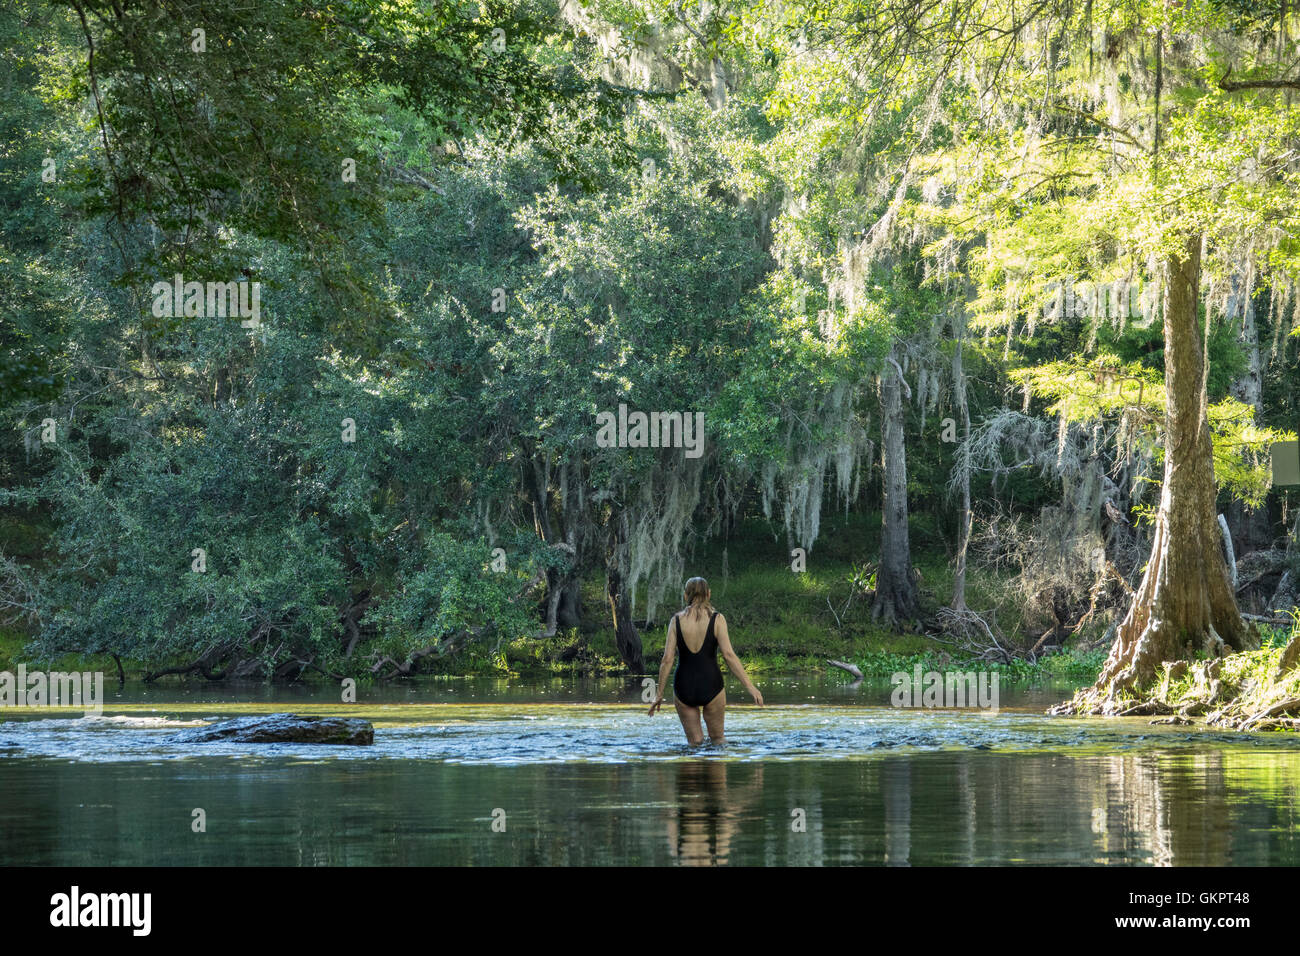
column 282, row 729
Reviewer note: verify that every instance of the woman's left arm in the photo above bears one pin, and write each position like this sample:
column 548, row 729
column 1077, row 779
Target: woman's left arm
column 733, row 660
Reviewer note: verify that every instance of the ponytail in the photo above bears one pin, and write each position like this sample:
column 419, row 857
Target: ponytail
column 697, row 596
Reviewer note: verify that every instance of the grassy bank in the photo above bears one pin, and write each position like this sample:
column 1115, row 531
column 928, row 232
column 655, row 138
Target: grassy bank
column 780, row 621
column 1251, row 690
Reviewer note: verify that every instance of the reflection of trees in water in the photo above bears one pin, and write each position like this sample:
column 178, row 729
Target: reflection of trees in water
column 1152, row 808
column 1174, row 808
column 1148, row 808
column 1135, row 817
column 966, row 807
column 1209, row 807
column 808, row 847
column 896, row 786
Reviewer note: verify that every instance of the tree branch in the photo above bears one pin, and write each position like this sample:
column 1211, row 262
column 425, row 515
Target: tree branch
column 1236, row 86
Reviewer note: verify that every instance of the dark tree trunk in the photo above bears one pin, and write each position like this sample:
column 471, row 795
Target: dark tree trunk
column 963, row 406
column 896, row 590
column 1185, row 602
column 1251, row 529
column 569, row 612
column 351, row 620
column 626, row 637
column 563, row 589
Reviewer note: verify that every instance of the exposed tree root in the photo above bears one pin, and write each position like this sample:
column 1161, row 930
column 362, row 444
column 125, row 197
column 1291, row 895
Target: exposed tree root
column 1254, row 691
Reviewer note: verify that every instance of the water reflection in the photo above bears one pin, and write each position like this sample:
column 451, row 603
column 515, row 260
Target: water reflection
column 896, row 787
column 600, row 785
column 920, row 809
column 1172, row 810
column 701, row 830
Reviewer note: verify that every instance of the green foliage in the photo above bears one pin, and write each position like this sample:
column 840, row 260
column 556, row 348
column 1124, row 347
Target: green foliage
column 1104, row 386
column 737, row 211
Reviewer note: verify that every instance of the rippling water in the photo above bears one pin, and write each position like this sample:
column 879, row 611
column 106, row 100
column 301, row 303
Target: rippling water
column 519, row 735
column 577, row 773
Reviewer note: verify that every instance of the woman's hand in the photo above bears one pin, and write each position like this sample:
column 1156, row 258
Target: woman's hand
column 655, row 706
column 757, row 695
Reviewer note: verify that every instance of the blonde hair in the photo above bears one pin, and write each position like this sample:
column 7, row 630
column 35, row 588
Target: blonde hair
column 697, row 595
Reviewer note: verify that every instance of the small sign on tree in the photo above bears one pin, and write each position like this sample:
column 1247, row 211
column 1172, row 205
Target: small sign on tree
column 1286, row 463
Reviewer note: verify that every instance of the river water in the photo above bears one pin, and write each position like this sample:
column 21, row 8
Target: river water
column 488, row 772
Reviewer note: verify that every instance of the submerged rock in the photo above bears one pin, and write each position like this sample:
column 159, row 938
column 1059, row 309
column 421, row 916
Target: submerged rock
column 282, row 729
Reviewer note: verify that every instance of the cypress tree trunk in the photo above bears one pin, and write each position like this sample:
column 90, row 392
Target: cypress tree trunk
column 896, row 591
column 1185, row 602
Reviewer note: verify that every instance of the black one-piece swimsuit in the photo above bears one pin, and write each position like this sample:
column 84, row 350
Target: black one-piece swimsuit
column 698, row 679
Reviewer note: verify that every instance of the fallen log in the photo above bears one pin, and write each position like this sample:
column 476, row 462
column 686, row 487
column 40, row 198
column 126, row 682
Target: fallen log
column 851, row 668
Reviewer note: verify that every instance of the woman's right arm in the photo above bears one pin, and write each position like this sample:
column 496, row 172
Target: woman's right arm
column 665, row 666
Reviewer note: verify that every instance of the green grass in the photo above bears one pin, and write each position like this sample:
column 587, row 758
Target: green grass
column 1248, row 683
column 782, row 621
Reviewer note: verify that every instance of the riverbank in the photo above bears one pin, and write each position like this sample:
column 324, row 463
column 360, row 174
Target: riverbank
column 546, row 658
column 780, row 619
column 1254, row 690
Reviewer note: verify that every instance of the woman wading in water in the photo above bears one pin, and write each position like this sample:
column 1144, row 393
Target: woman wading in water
column 698, row 686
